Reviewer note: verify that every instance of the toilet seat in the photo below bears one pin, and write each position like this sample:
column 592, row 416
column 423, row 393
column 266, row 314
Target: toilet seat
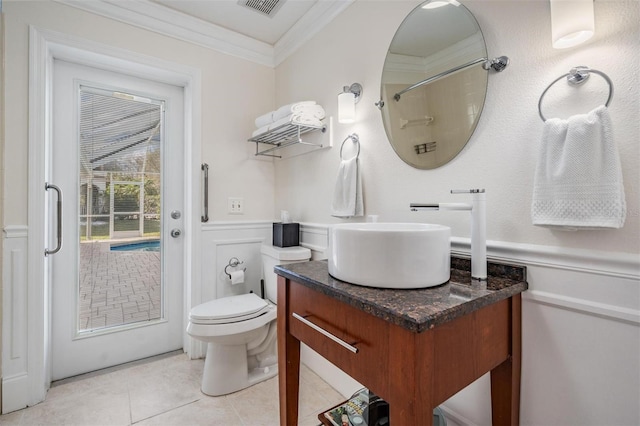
column 229, row 309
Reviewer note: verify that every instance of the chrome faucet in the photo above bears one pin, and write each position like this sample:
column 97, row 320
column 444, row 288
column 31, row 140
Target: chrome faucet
column 478, row 228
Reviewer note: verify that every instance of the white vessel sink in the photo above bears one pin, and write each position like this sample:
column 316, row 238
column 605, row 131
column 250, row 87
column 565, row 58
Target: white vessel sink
column 390, row 255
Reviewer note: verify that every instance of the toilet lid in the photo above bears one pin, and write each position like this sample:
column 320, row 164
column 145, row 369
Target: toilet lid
column 230, row 309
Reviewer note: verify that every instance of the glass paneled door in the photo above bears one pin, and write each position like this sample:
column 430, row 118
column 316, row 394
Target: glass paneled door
column 117, row 157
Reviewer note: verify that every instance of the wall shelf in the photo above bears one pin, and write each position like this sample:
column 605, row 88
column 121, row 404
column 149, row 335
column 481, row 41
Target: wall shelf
column 283, row 136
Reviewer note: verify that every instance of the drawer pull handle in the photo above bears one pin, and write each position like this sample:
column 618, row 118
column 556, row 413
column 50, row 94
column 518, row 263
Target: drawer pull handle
column 326, row 333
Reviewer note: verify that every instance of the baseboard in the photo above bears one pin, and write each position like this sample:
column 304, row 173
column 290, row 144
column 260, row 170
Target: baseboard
column 457, row 418
column 15, row 391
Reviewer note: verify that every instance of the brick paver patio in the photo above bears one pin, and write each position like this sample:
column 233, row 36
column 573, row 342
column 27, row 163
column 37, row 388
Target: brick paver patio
column 117, row 287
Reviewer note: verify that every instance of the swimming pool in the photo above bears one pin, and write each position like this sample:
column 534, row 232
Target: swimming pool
column 152, row 245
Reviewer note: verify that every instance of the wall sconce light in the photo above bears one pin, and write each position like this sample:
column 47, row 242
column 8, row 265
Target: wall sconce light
column 347, row 101
column 572, row 22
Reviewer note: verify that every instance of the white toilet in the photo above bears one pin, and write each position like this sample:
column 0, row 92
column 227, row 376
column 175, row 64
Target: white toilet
column 240, row 331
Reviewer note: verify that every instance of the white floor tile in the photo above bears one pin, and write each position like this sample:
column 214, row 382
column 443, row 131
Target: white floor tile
column 166, row 392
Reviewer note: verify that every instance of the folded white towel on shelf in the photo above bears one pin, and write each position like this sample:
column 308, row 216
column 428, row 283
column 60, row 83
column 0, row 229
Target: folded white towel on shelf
column 305, row 112
column 578, row 177
column 285, row 110
column 301, row 119
column 277, row 126
column 307, row 108
column 264, row 120
column 261, row 130
column 347, row 196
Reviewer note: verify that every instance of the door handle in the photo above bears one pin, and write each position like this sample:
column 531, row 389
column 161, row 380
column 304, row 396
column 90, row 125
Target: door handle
column 175, row 233
column 48, row 186
column 205, row 168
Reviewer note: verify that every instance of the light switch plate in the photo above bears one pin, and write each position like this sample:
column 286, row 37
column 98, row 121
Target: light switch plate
column 235, row 205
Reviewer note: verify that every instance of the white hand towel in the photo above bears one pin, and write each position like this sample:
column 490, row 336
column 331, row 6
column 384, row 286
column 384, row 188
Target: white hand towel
column 347, row 196
column 578, row 178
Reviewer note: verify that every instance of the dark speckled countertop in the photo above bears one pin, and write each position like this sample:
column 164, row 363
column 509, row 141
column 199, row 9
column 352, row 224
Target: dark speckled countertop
column 416, row 310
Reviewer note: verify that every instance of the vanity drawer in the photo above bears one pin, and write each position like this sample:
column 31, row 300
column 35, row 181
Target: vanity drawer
column 313, row 318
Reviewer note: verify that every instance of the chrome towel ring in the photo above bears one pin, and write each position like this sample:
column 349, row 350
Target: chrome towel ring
column 577, row 76
column 354, row 137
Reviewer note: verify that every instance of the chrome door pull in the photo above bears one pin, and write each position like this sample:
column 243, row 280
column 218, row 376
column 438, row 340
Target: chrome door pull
column 325, row 333
column 175, row 233
column 48, row 186
column 205, row 167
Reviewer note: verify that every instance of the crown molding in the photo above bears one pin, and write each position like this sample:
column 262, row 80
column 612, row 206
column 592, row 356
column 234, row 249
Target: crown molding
column 157, row 18
column 160, row 19
column 321, row 14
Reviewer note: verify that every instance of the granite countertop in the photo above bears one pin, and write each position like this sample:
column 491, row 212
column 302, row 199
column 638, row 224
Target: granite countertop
column 421, row 309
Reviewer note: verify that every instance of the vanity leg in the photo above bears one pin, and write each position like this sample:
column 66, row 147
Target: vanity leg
column 505, row 378
column 288, row 360
column 411, row 363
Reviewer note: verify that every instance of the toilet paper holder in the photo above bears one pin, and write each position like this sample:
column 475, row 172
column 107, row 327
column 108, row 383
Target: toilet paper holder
column 233, row 262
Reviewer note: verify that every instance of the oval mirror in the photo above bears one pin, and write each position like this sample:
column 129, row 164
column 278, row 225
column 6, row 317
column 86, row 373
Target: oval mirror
column 433, row 83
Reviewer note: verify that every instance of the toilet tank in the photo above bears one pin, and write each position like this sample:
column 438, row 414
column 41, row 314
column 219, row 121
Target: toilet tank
column 272, row 256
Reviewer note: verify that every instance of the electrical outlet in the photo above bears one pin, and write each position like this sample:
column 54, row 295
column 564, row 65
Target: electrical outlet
column 235, row 205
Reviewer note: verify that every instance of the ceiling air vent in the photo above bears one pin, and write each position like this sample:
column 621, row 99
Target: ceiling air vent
column 266, row 7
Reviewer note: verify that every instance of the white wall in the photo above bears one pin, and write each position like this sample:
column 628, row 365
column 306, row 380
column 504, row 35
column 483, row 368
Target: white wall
column 501, row 155
column 581, row 315
column 234, row 92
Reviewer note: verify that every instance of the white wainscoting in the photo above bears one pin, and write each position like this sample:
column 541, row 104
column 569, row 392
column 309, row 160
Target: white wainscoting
column 581, row 325
column 581, row 337
column 15, row 384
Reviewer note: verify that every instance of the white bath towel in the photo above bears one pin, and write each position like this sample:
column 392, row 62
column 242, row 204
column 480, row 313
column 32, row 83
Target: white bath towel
column 578, row 178
column 347, row 196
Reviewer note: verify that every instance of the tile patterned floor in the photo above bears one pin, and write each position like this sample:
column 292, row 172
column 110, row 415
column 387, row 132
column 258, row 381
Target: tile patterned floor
column 117, row 287
column 166, row 391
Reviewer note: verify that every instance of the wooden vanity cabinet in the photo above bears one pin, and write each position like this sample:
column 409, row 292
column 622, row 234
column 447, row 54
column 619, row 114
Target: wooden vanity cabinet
column 413, row 371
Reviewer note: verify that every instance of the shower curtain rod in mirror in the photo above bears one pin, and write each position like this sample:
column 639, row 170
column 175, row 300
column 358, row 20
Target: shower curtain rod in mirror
column 497, row 64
